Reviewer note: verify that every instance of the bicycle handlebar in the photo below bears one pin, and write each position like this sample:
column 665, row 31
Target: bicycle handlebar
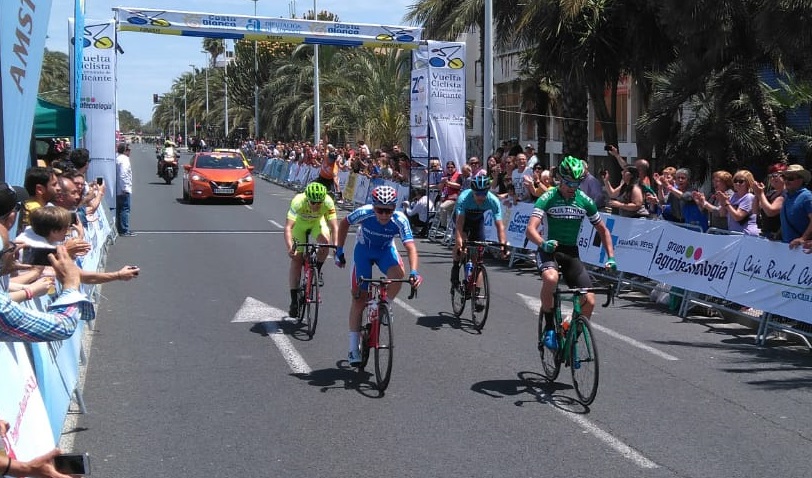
column 609, row 291
column 385, row 281
column 311, row 245
column 486, row 244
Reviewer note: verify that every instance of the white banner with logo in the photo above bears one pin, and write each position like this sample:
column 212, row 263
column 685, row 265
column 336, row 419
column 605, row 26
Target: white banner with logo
column 770, row 276
column 698, row 262
column 418, row 119
column 277, row 29
column 635, row 241
column 444, row 83
column 21, row 405
column 22, row 46
column 98, row 101
column 515, row 220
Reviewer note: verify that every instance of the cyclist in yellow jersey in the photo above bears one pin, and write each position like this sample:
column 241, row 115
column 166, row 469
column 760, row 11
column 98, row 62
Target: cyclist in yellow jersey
column 311, row 213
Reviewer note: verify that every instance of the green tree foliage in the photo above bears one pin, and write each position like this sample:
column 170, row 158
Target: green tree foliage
column 54, row 82
column 127, row 122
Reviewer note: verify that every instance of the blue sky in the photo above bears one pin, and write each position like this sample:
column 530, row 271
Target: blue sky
column 151, row 62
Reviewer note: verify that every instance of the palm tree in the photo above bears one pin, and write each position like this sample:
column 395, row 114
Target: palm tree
column 214, row 47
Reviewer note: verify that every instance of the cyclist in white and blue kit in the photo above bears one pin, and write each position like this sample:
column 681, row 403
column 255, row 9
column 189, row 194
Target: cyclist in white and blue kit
column 470, row 223
column 378, row 225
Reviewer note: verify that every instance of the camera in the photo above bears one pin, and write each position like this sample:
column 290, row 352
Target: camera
column 100, row 180
column 607, row 147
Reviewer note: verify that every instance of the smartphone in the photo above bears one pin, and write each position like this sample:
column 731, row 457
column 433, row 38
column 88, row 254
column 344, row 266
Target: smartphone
column 134, row 267
column 72, row 463
column 74, row 218
column 37, row 256
column 100, row 180
column 608, row 147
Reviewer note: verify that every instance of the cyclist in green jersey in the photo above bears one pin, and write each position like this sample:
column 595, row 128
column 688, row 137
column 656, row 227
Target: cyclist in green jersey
column 311, row 213
column 565, row 206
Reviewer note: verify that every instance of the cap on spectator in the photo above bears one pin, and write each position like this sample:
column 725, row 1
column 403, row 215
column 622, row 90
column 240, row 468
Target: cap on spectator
column 10, row 196
column 797, row 169
column 530, row 146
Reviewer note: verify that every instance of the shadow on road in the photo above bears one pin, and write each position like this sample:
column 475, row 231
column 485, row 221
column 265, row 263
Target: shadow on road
column 531, row 387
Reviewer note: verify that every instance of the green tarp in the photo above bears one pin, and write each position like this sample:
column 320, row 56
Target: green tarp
column 54, row 121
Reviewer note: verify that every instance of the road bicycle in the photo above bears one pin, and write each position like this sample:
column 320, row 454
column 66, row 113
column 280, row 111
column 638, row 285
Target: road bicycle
column 576, row 343
column 474, row 284
column 309, row 297
column 376, row 329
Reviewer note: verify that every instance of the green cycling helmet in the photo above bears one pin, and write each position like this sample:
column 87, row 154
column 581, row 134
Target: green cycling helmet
column 315, row 192
column 572, row 169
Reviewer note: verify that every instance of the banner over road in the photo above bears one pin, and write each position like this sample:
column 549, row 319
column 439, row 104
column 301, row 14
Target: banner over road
column 289, row 30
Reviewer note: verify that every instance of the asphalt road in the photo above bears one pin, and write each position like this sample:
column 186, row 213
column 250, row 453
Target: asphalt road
column 190, row 375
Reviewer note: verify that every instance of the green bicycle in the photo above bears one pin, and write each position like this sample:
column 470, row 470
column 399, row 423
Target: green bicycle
column 576, row 344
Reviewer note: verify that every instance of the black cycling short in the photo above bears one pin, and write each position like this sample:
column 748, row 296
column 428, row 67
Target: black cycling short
column 328, row 183
column 565, row 257
column 474, row 227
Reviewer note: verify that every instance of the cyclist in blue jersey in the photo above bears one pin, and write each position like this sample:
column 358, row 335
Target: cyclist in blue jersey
column 470, row 212
column 378, row 224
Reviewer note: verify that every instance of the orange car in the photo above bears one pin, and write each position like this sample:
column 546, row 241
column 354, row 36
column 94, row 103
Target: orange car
column 218, row 175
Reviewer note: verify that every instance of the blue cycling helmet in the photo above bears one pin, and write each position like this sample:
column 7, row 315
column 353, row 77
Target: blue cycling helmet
column 481, row 183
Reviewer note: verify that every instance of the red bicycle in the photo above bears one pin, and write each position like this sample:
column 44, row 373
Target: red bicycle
column 309, row 297
column 376, row 329
column 474, row 283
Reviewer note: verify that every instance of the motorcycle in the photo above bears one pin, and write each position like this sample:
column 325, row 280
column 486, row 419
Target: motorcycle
column 169, row 168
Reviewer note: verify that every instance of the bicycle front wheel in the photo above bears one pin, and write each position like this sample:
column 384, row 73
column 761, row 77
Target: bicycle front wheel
column 312, row 305
column 385, row 349
column 459, row 296
column 480, row 299
column 550, row 359
column 583, row 360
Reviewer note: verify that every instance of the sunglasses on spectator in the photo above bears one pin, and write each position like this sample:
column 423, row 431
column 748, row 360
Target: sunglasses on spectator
column 775, row 175
column 383, row 210
column 738, row 181
column 474, row 163
column 571, row 184
column 450, row 166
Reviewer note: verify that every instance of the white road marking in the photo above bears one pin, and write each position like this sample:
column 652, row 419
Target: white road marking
column 295, row 361
column 409, row 308
column 253, row 310
column 534, row 304
column 248, row 207
column 616, row 444
column 280, row 226
column 625, row 450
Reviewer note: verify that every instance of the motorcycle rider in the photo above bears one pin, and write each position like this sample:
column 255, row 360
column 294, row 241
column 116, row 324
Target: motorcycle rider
column 167, row 155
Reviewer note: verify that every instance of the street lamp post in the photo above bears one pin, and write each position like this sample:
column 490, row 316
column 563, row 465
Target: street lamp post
column 316, row 113
column 225, row 83
column 185, row 116
column 256, row 83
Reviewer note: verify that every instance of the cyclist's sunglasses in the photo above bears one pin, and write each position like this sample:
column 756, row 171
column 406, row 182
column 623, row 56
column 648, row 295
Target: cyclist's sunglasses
column 384, row 210
column 315, row 203
column 571, row 184
column 480, row 193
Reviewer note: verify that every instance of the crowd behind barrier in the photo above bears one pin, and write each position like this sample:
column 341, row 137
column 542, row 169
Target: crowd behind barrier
column 714, row 269
column 39, row 380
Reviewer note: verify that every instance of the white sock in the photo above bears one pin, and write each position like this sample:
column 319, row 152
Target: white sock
column 355, row 340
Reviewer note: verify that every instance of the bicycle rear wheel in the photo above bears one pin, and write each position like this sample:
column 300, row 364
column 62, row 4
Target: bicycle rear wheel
column 481, row 300
column 301, row 298
column 550, row 359
column 459, row 296
column 385, row 349
column 364, row 346
column 583, row 360
column 312, row 304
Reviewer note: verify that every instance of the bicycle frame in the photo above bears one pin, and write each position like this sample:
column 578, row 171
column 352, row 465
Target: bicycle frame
column 574, row 296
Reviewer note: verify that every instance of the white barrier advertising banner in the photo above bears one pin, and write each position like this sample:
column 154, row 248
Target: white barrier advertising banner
column 21, row 405
column 770, row 276
column 418, row 119
column 361, row 189
column 698, row 262
column 515, row 221
column 98, row 101
column 635, row 241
